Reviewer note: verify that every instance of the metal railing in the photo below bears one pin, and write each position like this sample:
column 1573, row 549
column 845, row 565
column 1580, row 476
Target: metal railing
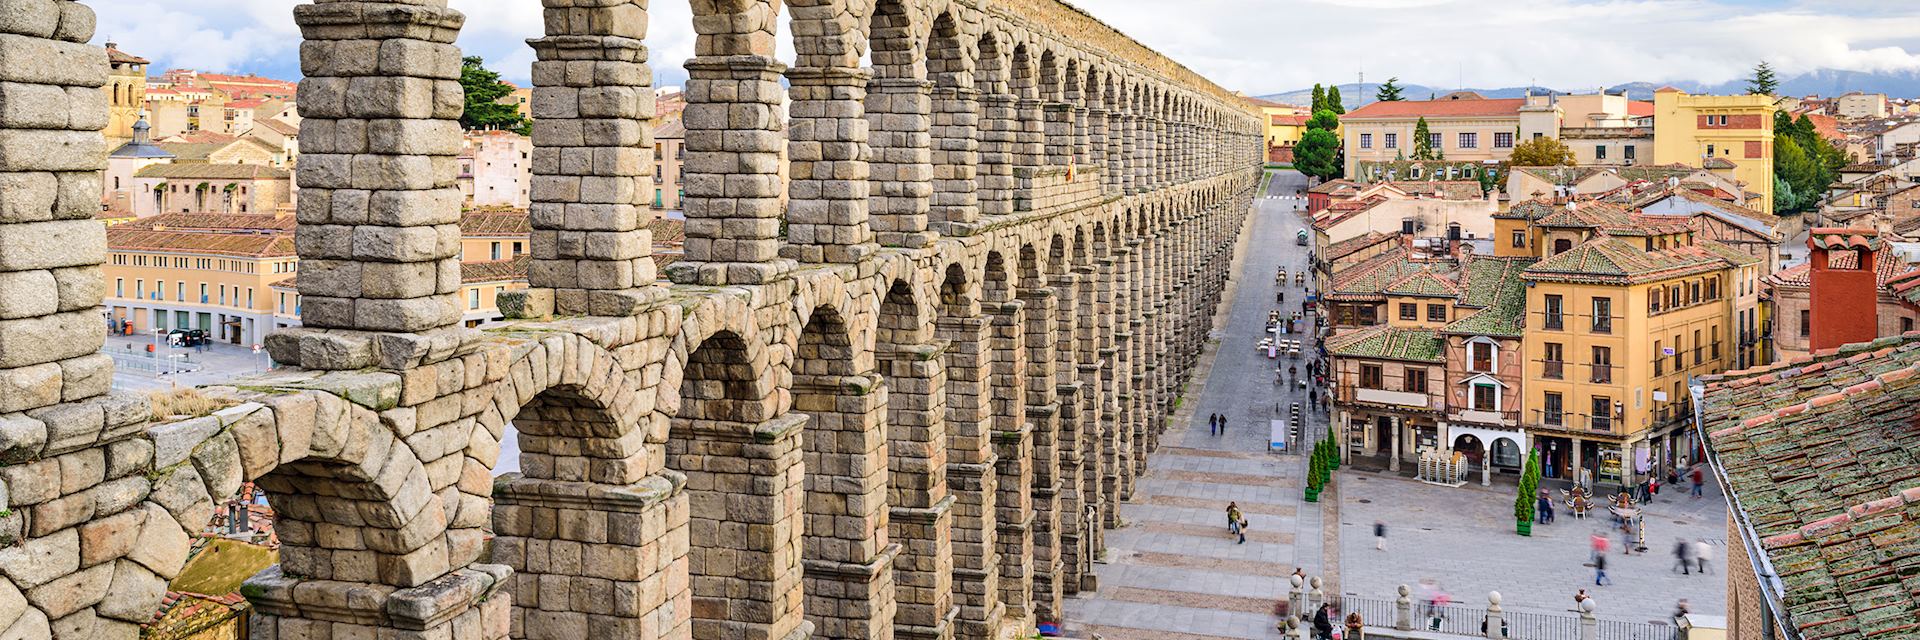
column 1472, row 621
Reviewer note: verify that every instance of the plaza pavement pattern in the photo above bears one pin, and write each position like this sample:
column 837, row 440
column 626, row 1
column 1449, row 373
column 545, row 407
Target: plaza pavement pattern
column 1172, row 572
column 1463, row 538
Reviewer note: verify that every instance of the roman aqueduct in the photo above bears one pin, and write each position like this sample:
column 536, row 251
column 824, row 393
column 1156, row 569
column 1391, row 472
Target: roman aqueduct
column 932, row 316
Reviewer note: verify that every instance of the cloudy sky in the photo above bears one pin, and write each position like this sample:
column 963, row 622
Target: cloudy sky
column 1257, row 46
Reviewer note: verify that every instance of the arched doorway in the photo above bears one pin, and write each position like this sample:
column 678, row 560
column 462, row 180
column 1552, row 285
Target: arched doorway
column 1468, row 445
column 1505, row 454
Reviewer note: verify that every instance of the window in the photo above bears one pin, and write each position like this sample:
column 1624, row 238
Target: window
column 1480, row 356
column 1469, row 140
column 1406, row 226
column 1806, row 322
column 518, row 248
column 1416, row 381
column 180, row 291
column 140, row 289
column 1433, row 140
column 1693, row 293
column 1709, row 151
column 1553, row 313
column 1553, row 362
column 1906, row 324
column 473, row 298
column 1713, row 289
column 1370, row 376
column 494, row 250
column 1519, row 238
column 1390, row 140
column 1436, row 313
column 1486, row 397
column 203, row 293
column 119, row 287
column 1653, row 299
column 1673, row 298
column 1699, row 355
column 1552, row 411
column 1626, row 152
column 1409, row 311
column 1603, row 315
column 1602, row 365
column 1716, row 343
column 1678, row 353
column 1602, row 413
column 1659, row 358
column 1366, row 141
column 1599, row 152
column 1502, row 140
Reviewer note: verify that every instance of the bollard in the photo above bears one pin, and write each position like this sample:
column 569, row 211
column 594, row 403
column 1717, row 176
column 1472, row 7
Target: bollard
column 1299, row 628
column 1495, row 625
column 1296, row 597
column 1317, row 596
column 1589, row 625
column 1403, row 610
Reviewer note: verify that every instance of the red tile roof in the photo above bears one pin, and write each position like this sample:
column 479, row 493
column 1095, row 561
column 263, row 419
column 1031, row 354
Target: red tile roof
column 1400, row 109
column 1639, row 108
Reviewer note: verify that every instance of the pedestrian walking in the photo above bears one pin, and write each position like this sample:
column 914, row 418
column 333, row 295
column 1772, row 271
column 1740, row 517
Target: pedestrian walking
column 1213, row 424
column 1600, row 543
column 1626, row 538
column 1701, row 553
column 1683, row 556
column 1379, row 535
column 1233, row 517
column 1546, row 510
column 1242, row 531
column 1697, row 480
column 1600, row 571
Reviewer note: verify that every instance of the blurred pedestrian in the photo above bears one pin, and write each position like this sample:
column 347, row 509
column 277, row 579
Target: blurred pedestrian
column 1600, row 571
column 1683, row 556
column 1379, row 535
column 1701, row 553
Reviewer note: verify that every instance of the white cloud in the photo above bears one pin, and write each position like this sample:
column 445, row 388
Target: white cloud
column 1254, row 45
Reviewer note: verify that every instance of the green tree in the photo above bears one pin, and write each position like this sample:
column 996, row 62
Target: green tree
column 1784, row 200
column 1763, row 81
column 1323, row 120
column 484, row 91
column 1334, row 102
column 1541, row 152
column 1318, row 154
column 1319, row 99
column 1523, row 500
column 1389, row 91
column 1422, row 140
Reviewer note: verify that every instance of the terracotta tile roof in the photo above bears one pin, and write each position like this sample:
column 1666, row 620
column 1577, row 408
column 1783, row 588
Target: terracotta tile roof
column 1610, row 260
column 278, row 126
column 1370, row 279
column 203, row 136
column 1268, row 103
column 1614, row 219
column 1445, row 189
column 674, row 129
column 1465, row 108
column 1718, row 162
column 1335, row 186
column 1345, row 210
column 1822, row 458
column 116, row 56
column 205, row 171
column 1639, row 108
column 514, row 270
column 495, row 223
column 1833, row 238
column 1497, row 287
column 1423, row 284
column 1885, row 269
column 1295, row 120
column 262, row 222
column 1354, row 245
column 247, row 245
column 1390, row 343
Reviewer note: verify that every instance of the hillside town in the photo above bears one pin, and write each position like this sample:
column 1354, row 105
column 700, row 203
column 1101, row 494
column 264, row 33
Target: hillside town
column 917, row 344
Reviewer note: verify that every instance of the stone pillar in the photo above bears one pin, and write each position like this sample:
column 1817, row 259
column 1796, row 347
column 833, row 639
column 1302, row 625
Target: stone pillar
column 732, row 172
column 1166, row 160
column 902, row 109
column 1083, row 150
column 1116, row 453
column 1589, row 624
column 998, row 130
column 1097, row 119
column 971, row 475
column 1495, row 624
column 956, row 161
column 1031, row 146
column 847, row 557
column 1296, row 595
column 1043, row 415
column 51, row 157
column 1113, row 136
column 379, row 233
column 1096, row 437
column 921, row 508
column 567, row 541
column 828, row 192
column 1135, row 146
column 1403, row 609
column 1058, row 126
column 1072, row 437
column 1013, row 445
column 1399, row 431
column 593, row 144
column 1136, row 415
column 745, row 492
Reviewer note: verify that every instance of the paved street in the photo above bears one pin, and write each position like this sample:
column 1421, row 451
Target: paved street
column 1463, row 537
column 134, row 367
column 1173, row 571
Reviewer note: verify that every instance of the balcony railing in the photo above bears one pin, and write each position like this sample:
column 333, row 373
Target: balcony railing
column 1600, row 373
column 1555, row 322
column 1553, row 369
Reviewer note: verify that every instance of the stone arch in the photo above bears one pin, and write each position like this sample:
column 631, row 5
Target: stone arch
column 827, row 34
column 1022, row 77
column 846, row 558
column 896, row 40
column 735, row 27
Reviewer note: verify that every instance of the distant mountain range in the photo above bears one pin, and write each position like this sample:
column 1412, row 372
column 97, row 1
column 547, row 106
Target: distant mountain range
column 1824, row 82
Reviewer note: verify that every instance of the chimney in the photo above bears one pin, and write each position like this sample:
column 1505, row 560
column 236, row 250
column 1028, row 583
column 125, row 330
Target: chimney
column 1837, row 296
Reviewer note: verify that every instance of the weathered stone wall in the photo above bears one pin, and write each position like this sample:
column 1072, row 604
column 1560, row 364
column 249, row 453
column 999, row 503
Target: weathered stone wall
column 906, row 404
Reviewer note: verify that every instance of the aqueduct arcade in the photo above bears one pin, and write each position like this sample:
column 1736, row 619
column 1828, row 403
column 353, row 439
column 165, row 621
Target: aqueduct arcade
column 944, row 279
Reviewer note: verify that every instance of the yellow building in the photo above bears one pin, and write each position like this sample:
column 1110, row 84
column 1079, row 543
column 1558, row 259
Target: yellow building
column 1285, row 124
column 1622, row 309
column 126, row 91
column 1717, row 133
column 211, row 272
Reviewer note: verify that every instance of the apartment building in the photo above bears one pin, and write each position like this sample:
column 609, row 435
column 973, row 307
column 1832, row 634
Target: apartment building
column 496, row 169
column 1732, row 133
column 209, row 188
column 212, row 272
